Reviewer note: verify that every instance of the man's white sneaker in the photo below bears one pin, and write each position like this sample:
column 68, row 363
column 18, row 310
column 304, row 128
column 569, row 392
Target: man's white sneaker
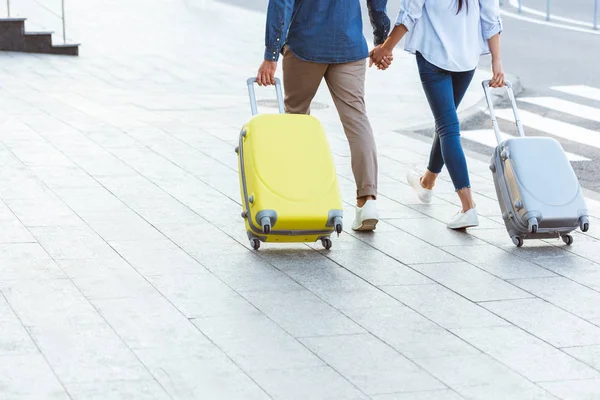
column 414, row 180
column 367, row 217
column 464, row 220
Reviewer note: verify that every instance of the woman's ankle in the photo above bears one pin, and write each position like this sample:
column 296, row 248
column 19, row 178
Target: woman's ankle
column 428, row 180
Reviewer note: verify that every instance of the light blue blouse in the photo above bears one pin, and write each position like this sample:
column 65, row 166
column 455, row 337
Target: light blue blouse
column 448, row 40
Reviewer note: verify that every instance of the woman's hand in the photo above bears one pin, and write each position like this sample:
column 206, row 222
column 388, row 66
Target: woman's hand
column 497, row 80
column 380, row 56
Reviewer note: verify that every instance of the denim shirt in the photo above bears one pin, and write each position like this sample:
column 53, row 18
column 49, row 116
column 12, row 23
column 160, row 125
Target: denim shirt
column 451, row 41
column 323, row 31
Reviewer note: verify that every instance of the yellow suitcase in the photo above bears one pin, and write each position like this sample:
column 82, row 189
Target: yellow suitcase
column 288, row 180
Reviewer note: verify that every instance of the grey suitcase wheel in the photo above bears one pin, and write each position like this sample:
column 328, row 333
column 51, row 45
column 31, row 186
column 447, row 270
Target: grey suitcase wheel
column 338, row 228
column 255, row 243
column 518, row 241
column 533, row 225
column 568, row 239
column 584, row 225
column 326, row 242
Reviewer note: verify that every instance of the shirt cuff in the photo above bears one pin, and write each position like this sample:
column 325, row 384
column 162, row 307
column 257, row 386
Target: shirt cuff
column 493, row 30
column 272, row 53
column 404, row 18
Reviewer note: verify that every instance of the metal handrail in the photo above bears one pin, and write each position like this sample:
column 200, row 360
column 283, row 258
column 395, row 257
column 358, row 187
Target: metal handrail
column 548, row 6
column 62, row 17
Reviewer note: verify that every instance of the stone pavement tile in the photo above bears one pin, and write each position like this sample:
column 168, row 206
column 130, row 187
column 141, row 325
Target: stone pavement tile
column 444, row 307
column 90, row 200
column 47, row 303
column 302, row 314
column 405, row 247
column 566, row 294
column 254, row 342
column 67, row 242
column 90, row 353
column 471, row 282
column 256, row 278
column 377, row 268
column 126, row 225
column 157, row 257
column 391, row 209
column 201, row 295
column 574, row 390
column 482, row 377
column 529, row 356
column 492, row 391
column 371, row 365
column 15, row 232
column 498, row 262
column 15, row 339
column 546, row 321
column 434, row 232
column 499, row 237
column 586, row 246
column 64, row 177
column 199, row 371
column 428, row 395
column 195, row 238
column 136, row 191
column 410, row 333
column 28, row 376
column 21, row 261
column 298, row 257
column 117, row 390
column 101, row 164
column 149, row 322
column 47, row 211
column 576, row 268
column 316, row 383
column 587, row 354
column 106, row 279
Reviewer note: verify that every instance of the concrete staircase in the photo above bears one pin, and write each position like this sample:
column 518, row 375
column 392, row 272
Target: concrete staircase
column 14, row 38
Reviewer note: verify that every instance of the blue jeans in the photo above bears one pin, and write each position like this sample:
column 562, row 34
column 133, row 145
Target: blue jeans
column 444, row 91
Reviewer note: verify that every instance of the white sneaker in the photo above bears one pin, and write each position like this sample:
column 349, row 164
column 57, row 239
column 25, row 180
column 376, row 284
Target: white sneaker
column 367, row 217
column 464, row 220
column 414, row 180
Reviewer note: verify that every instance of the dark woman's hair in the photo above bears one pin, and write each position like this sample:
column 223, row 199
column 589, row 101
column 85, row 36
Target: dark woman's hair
column 460, row 5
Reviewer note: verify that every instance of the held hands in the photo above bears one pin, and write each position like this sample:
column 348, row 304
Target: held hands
column 497, row 80
column 381, row 57
column 266, row 73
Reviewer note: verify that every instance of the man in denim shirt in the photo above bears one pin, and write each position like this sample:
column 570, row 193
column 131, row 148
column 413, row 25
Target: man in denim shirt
column 324, row 39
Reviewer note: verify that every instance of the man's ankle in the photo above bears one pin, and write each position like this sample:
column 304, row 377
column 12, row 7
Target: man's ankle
column 360, row 202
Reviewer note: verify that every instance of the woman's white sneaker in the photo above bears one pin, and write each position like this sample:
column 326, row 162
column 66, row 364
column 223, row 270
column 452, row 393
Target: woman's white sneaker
column 367, row 217
column 414, row 180
column 464, row 220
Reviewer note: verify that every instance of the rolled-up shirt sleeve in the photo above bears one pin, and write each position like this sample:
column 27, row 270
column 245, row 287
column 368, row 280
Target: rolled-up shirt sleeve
column 410, row 12
column 491, row 23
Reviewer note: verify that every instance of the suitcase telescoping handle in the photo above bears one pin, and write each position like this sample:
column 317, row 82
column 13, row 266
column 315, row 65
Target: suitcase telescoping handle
column 253, row 104
column 511, row 95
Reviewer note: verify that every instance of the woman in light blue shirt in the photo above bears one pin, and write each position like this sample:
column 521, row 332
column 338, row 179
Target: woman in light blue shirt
column 448, row 37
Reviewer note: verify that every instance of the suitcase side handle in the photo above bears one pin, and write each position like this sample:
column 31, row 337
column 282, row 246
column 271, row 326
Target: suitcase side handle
column 254, row 106
column 511, row 95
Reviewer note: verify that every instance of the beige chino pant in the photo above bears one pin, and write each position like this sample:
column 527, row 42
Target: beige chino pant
column 346, row 82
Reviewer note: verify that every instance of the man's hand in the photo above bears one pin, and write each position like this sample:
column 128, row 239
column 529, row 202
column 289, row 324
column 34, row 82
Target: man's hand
column 266, row 73
column 380, row 56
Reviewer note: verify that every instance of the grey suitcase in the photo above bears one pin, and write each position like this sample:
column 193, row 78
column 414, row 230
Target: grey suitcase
column 539, row 194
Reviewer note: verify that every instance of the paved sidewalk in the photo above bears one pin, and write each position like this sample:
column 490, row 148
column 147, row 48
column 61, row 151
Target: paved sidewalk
column 125, row 271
